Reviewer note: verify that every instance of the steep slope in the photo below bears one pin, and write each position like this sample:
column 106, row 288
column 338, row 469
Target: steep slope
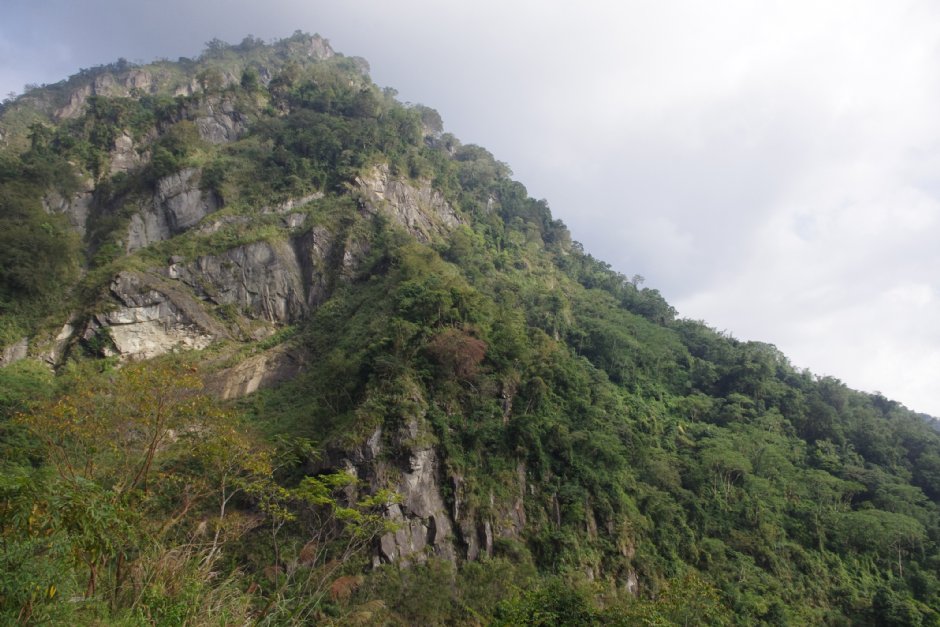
column 436, row 374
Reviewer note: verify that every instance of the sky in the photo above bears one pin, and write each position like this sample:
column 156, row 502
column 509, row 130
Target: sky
column 772, row 168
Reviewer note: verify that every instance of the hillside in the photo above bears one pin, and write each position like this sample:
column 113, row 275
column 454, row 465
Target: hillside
column 277, row 349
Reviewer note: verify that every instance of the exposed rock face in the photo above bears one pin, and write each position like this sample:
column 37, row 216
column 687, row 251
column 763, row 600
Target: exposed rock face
column 124, row 156
column 222, row 123
column 293, row 203
column 187, row 89
column 213, row 226
column 632, row 583
column 405, row 461
column 57, row 350
column 178, row 204
column 424, row 526
column 76, row 208
column 319, row 48
column 259, row 371
column 76, row 102
column 262, row 279
column 315, row 250
column 506, row 519
column 276, row 282
column 291, row 219
column 182, row 201
column 154, row 319
column 422, row 210
column 14, row 352
column 313, row 46
column 108, row 84
column 133, row 81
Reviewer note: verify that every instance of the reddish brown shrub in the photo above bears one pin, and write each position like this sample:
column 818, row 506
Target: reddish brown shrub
column 457, row 352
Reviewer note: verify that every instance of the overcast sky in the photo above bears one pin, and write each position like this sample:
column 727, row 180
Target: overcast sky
column 773, row 168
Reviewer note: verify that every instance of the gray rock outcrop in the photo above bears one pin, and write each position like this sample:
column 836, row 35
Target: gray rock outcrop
column 177, row 205
column 56, row 350
column 221, row 122
column 14, row 352
column 260, row 371
column 316, row 253
column 319, row 48
column 504, row 519
column 405, row 460
column 76, row 208
column 153, row 318
column 124, row 155
column 264, row 280
column 422, row 210
column 292, row 203
column 424, row 527
column 122, row 84
column 423, row 524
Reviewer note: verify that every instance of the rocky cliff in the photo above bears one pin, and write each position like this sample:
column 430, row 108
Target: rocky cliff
column 248, row 291
column 192, row 261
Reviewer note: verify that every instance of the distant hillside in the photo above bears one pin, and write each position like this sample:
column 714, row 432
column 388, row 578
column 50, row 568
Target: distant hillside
column 278, row 349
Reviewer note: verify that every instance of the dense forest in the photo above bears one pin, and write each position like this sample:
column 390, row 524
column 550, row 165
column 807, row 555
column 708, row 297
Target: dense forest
column 279, row 350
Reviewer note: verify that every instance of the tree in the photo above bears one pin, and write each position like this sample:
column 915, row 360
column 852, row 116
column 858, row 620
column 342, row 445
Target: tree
column 338, row 525
column 250, row 79
column 215, row 48
column 690, row 600
column 555, row 603
column 457, row 352
column 132, row 453
column 112, row 428
column 885, row 533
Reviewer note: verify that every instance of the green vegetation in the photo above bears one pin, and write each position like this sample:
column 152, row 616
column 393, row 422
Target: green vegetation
column 38, row 252
column 670, row 474
column 125, row 489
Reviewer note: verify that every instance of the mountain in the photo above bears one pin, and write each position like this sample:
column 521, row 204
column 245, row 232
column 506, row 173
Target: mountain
column 278, row 349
